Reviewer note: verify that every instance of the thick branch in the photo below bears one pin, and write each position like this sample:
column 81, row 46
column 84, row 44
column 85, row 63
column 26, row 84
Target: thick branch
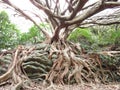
column 88, row 6
column 99, row 6
column 70, row 7
column 77, row 8
column 54, row 22
column 91, row 11
column 46, row 10
column 103, row 20
column 111, row 4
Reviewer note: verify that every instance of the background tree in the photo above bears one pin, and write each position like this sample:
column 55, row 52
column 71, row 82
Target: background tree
column 9, row 34
column 95, row 37
column 33, row 36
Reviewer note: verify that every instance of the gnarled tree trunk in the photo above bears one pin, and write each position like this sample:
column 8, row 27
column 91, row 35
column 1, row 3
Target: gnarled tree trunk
column 59, row 61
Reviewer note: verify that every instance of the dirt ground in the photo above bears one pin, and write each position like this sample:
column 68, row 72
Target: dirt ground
column 69, row 87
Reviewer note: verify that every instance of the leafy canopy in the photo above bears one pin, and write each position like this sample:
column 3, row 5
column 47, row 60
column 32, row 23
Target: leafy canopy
column 10, row 36
column 8, row 32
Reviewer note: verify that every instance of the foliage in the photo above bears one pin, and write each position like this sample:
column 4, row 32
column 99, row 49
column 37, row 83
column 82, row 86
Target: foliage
column 9, row 34
column 33, row 36
column 80, row 33
column 107, row 34
column 96, row 36
column 84, row 36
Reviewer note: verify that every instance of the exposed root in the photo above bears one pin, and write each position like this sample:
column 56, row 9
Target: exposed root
column 70, row 65
column 69, row 68
column 15, row 71
column 51, row 87
column 8, row 74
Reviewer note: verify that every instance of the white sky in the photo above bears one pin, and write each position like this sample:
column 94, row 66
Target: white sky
column 21, row 22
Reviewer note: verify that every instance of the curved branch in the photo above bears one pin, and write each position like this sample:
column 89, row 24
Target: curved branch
column 111, row 4
column 78, row 7
column 99, row 6
column 27, row 16
column 46, row 10
column 89, row 12
column 109, row 19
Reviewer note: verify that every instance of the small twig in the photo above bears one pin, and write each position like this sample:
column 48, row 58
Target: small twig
column 109, row 53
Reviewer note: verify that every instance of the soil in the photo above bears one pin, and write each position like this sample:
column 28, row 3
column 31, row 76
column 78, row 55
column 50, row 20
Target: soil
column 68, row 87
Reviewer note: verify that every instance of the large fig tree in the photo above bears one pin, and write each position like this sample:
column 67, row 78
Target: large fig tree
column 70, row 64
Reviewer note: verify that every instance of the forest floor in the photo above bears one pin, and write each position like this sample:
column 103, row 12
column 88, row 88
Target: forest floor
column 69, row 87
column 39, row 86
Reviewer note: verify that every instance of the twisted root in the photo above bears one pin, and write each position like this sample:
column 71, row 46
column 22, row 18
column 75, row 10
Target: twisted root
column 15, row 71
column 68, row 67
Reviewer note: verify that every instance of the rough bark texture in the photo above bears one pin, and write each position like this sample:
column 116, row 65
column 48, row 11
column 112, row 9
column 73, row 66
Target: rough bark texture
column 61, row 61
column 39, row 62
